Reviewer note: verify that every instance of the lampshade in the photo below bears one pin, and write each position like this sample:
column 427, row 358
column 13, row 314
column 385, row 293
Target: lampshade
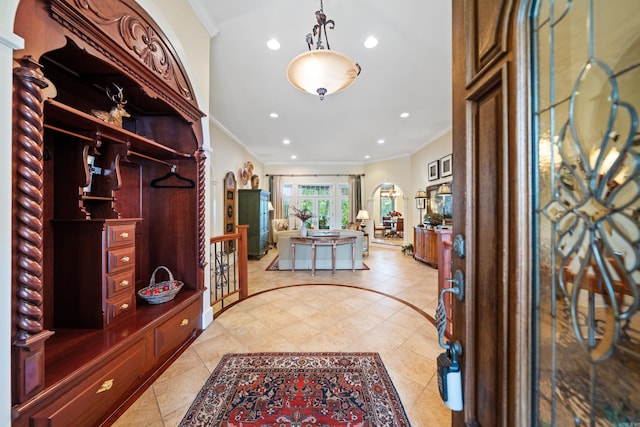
column 362, row 215
column 421, row 194
column 321, row 71
column 270, row 207
column 444, row 189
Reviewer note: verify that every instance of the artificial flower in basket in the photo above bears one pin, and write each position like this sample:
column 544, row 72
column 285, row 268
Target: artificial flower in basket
column 159, row 292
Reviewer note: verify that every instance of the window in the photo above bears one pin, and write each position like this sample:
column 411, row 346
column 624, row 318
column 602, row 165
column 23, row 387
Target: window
column 388, row 196
column 328, row 202
column 317, row 199
column 343, row 202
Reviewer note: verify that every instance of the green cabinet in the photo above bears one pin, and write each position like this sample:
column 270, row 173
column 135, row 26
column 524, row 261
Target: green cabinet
column 253, row 210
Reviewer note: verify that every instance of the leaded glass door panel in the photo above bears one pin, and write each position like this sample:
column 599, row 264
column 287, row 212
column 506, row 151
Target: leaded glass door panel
column 586, row 98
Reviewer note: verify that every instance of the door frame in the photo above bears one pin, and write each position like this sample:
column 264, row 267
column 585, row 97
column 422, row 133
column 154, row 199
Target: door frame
column 491, row 52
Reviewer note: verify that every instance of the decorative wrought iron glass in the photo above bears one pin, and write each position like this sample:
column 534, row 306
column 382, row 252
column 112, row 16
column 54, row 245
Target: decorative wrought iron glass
column 586, row 97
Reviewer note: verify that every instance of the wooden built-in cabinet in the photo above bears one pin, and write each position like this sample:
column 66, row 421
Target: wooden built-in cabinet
column 89, row 227
column 425, row 245
column 253, row 210
column 107, row 251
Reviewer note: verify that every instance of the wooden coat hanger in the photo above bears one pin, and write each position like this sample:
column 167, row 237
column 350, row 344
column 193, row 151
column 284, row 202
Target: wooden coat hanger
column 183, row 182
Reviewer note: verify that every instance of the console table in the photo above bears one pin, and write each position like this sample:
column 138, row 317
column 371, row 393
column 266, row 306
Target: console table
column 332, row 241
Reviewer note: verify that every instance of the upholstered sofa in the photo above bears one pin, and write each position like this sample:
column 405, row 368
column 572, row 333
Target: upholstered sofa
column 278, row 226
column 323, row 253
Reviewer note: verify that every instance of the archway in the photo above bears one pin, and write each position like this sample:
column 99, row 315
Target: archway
column 384, row 198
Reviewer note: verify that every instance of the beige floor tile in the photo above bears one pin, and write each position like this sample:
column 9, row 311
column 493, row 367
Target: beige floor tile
column 145, row 408
column 318, row 316
column 180, row 391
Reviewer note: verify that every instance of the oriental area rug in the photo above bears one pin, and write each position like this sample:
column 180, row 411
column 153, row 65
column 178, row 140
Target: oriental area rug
column 274, row 266
column 298, row 390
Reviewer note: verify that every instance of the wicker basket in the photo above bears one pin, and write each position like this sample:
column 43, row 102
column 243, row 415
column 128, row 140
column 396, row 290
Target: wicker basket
column 157, row 293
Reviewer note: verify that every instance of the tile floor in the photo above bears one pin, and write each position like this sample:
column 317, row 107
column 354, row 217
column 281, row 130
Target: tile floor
column 318, row 318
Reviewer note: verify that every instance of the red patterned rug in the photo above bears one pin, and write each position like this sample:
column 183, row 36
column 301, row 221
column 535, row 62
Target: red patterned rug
column 298, row 390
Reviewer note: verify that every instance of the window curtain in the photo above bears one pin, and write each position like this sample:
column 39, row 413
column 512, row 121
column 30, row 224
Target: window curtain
column 355, row 196
column 275, row 188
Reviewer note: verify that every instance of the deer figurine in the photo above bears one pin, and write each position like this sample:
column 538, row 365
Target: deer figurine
column 118, row 112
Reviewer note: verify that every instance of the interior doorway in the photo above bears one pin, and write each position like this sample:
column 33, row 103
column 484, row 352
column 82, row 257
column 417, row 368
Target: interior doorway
column 389, row 215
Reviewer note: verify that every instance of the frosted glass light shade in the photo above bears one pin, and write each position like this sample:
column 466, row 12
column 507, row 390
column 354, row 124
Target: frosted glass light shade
column 315, row 70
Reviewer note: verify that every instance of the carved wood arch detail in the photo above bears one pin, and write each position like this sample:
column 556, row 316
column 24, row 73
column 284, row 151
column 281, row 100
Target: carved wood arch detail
column 119, row 30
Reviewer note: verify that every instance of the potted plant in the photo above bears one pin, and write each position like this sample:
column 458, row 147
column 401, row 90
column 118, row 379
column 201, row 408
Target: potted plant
column 433, row 219
column 407, row 249
column 303, row 215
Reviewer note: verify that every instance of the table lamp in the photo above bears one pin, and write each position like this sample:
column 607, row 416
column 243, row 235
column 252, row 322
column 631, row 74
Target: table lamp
column 421, row 201
column 362, row 216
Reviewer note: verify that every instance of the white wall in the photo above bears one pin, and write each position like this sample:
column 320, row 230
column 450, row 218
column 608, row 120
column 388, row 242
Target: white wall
column 228, row 156
column 435, row 150
column 410, row 174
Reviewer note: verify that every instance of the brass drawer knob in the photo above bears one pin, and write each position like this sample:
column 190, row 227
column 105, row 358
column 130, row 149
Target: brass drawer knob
column 184, row 322
column 106, row 386
column 124, row 235
column 124, row 306
column 124, row 283
column 125, row 259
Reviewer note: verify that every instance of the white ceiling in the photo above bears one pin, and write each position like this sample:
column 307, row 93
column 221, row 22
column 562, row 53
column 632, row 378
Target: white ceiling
column 409, row 71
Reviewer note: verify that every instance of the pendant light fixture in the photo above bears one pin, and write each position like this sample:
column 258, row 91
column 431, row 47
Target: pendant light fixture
column 321, row 71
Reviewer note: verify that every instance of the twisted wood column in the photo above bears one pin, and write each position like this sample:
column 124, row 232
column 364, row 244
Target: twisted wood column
column 201, row 158
column 28, row 161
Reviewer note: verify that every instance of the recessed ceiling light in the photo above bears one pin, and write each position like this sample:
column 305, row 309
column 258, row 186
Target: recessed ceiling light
column 286, row 142
column 273, row 115
column 293, row 156
column 273, row 44
column 371, row 42
column 367, row 156
column 381, row 141
column 404, row 115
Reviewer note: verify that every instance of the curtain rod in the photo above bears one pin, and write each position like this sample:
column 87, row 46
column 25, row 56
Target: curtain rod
column 316, row 174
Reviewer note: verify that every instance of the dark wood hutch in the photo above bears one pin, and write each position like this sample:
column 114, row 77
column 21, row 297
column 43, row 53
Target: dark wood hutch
column 83, row 343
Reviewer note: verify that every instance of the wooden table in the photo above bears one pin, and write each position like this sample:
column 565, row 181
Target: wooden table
column 332, row 241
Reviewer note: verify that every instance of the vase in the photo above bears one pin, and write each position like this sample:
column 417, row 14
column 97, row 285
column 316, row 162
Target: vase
column 303, row 230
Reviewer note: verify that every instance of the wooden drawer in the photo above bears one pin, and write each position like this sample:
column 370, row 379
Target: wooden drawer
column 176, row 330
column 120, row 305
column 119, row 259
column 120, row 235
column 120, row 283
column 92, row 398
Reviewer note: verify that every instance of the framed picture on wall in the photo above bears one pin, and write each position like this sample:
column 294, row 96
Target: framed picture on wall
column 445, row 166
column 432, row 171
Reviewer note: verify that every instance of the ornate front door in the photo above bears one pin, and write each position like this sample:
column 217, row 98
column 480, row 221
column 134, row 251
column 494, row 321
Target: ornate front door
column 545, row 140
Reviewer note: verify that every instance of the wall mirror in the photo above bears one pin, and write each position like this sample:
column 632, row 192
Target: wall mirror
column 439, row 200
